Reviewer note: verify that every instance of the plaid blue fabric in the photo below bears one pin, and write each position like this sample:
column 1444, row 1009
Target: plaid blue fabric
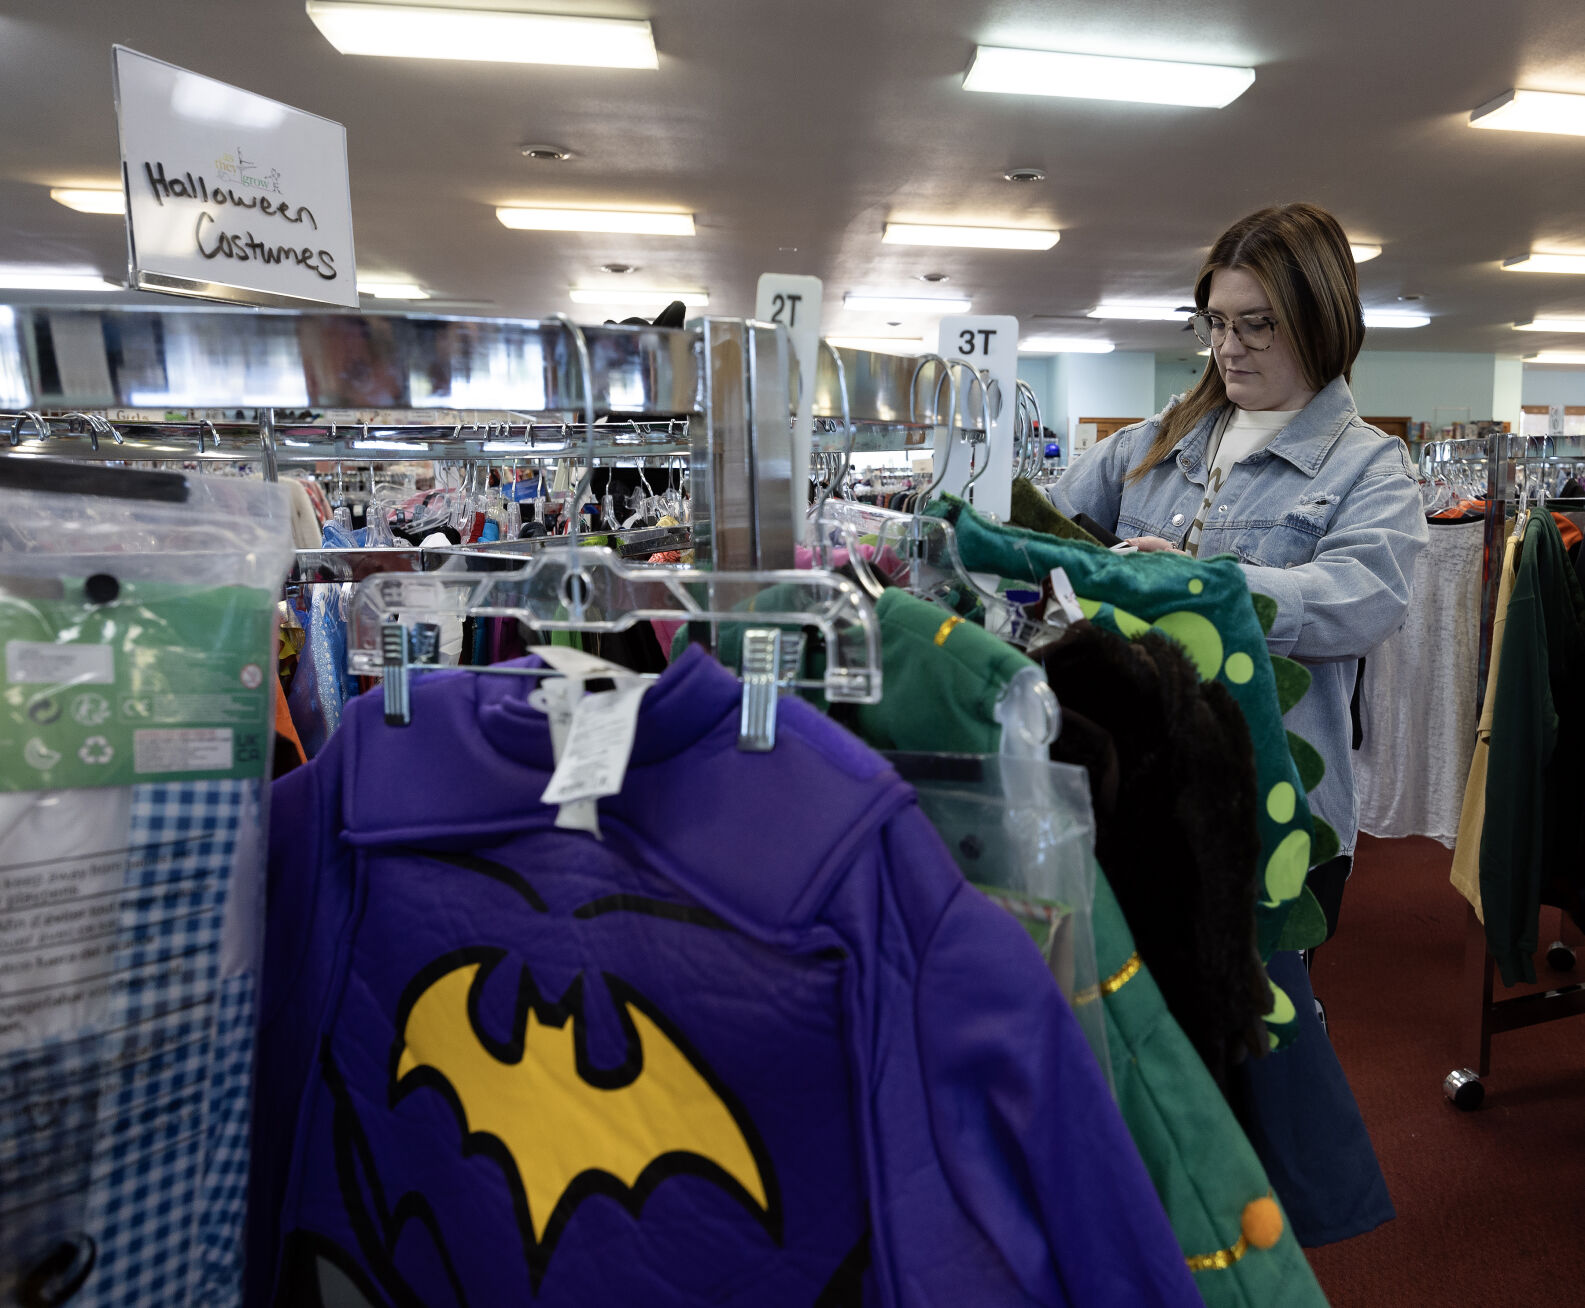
column 173, row 1105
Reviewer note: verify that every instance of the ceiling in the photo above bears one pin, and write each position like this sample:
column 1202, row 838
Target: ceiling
column 793, row 131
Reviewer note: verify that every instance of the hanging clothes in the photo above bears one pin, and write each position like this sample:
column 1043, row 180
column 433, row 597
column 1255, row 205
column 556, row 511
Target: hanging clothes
column 1032, row 509
column 1532, row 842
column 1235, row 1237
column 1417, row 716
column 1205, row 605
column 1178, row 839
column 868, row 1078
column 1465, row 874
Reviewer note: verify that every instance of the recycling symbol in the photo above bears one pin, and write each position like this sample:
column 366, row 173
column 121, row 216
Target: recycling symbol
column 96, row 749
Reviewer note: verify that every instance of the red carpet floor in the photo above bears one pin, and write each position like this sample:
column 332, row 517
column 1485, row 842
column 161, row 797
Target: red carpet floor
column 1491, row 1204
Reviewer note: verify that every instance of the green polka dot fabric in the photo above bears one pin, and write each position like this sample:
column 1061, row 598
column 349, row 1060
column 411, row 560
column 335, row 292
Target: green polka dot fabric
column 1205, row 605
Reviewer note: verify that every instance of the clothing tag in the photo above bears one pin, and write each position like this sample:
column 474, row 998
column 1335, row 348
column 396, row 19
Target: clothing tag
column 1125, row 547
column 1063, row 596
column 556, row 698
column 599, row 743
column 576, row 663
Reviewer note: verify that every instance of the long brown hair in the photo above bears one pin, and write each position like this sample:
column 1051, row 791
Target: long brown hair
column 1300, row 256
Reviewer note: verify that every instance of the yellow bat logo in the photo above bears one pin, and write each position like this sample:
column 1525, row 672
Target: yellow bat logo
column 561, row 1128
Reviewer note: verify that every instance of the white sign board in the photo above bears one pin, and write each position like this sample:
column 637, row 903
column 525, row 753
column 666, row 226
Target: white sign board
column 231, row 196
column 795, row 303
column 989, row 345
column 1554, row 419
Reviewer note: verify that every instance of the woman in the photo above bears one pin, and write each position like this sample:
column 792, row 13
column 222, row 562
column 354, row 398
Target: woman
column 1267, row 458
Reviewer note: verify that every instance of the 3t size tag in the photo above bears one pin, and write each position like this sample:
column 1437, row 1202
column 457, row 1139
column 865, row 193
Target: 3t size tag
column 556, row 698
column 599, row 743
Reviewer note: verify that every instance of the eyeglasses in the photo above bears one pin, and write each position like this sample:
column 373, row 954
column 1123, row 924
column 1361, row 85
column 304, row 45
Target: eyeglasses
column 1254, row 332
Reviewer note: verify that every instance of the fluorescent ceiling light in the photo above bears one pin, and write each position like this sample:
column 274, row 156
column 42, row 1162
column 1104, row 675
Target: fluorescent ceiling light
column 879, row 344
column 639, row 296
column 1064, row 345
column 89, row 199
column 1141, row 312
column 632, row 223
column 1546, row 263
column 1364, row 253
column 491, row 36
column 1551, row 325
column 1533, row 111
column 1100, row 77
column 1204, row 354
column 392, row 290
column 970, row 238
column 907, row 304
column 1556, row 356
column 53, row 279
column 1388, row 318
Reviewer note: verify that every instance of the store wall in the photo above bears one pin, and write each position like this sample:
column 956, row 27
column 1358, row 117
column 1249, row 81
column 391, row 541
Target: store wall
column 1428, row 387
column 1074, row 386
column 1554, row 386
column 1425, row 386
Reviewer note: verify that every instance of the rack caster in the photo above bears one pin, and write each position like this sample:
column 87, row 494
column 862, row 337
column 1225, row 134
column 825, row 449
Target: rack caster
column 1560, row 957
column 1464, row 1089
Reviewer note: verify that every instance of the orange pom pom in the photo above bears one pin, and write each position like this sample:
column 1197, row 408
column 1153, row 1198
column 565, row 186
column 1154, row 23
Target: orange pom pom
column 1262, row 1223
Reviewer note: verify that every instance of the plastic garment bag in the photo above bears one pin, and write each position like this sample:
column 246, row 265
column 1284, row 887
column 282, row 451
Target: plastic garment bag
column 1023, row 833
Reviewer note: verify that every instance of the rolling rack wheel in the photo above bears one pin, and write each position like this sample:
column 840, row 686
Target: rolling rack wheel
column 1464, row 1089
column 1559, row 957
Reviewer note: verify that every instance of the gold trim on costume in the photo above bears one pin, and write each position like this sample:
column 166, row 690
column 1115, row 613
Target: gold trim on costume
column 945, row 629
column 1112, row 984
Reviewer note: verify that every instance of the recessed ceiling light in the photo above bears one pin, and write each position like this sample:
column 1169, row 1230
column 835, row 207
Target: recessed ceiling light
column 1551, row 325
column 638, row 296
column 906, row 304
column 1410, row 299
column 972, row 238
column 410, row 32
column 619, row 269
column 1546, row 263
column 1100, row 77
column 545, row 153
column 1024, row 175
column 1063, row 345
column 1141, row 312
column 1392, row 318
column 596, row 220
column 1533, row 111
column 907, row 345
column 24, row 278
column 86, row 199
column 1556, row 356
column 1363, row 253
column 381, row 290
column 935, row 279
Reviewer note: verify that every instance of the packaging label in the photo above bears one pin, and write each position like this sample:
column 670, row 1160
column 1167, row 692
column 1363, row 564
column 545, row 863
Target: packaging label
column 40, row 663
column 165, row 682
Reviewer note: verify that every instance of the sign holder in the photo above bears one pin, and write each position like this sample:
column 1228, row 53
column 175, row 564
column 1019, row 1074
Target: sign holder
column 989, row 345
column 230, row 195
column 796, row 304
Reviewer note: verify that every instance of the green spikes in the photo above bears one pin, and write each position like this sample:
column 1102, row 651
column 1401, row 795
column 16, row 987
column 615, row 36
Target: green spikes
column 1293, row 681
column 1324, row 844
column 1265, row 610
column 1306, row 924
column 1308, row 760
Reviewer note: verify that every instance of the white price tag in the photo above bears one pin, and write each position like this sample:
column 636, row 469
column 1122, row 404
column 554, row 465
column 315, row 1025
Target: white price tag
column 796, row 303
column 599, row 743
column 1063, row 596
column 989, row 345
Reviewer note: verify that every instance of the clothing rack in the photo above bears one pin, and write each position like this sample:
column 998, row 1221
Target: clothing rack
column 1508, row 458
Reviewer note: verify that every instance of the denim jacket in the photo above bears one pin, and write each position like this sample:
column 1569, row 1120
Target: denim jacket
column 1326, row 520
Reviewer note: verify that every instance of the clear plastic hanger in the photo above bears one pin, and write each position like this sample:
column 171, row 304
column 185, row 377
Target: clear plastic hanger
column 576, row 588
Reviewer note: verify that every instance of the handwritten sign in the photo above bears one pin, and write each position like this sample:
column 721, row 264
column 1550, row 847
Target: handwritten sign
column 231, row 196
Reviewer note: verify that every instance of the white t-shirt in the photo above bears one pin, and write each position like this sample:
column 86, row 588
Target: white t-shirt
column 1236, row 438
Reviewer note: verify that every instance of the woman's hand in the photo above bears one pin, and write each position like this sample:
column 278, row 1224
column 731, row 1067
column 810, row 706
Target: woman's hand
column 1155, row 545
